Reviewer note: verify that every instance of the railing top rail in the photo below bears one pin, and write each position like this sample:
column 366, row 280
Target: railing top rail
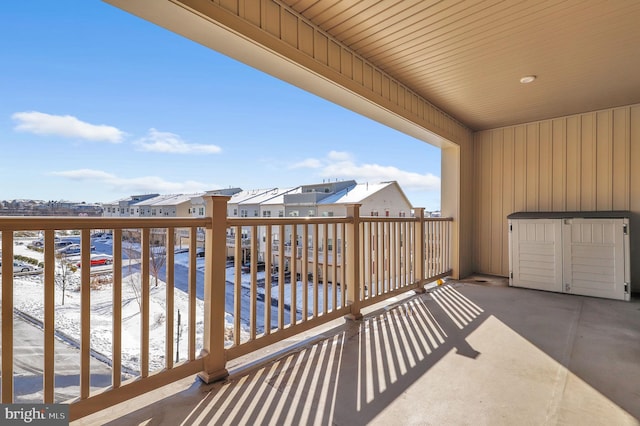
column 403, row 219
column 37, row 223
column 438, row 219
column 250, row 221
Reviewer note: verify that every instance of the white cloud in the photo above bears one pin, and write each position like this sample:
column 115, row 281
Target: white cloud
column 143, row 184
column 338, row 156
column 309, row 163
column 66, row 126
column 171, row 143
column 341, row 165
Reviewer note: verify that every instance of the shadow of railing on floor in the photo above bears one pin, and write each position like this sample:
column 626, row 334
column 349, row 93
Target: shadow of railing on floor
column 354, row 374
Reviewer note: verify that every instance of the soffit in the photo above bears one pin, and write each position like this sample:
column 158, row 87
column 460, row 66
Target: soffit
column 467, row 57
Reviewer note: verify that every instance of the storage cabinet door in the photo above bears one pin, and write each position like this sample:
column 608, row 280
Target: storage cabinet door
column 594, row 263
column 536, row 253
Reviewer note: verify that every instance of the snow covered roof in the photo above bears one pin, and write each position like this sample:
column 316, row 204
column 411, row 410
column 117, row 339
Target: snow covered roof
column 167, row 200
column 355, row 194
column 266, row 196
column 247, row 194
column 279, row 199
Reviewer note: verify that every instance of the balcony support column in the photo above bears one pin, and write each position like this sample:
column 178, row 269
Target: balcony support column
column 213, row 352
column 352, row 262
column 419, row 251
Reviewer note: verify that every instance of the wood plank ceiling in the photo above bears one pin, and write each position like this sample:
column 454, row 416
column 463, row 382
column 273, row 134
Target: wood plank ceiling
column 467, row 56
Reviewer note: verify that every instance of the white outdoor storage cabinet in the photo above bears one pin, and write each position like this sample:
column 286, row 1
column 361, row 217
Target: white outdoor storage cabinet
column 585, row 253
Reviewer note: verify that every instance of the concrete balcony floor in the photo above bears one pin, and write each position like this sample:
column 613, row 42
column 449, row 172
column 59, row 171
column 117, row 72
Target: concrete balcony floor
column 469, row 352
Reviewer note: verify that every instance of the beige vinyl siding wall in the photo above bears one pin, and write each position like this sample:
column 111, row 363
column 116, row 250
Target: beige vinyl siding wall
column 582, row 162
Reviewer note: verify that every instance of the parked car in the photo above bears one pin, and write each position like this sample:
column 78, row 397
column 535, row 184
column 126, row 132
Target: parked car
column 21, row 267
column 246, row 268
column 99, row 260
column 62, row 244
column 72, row 249
column 40, row 242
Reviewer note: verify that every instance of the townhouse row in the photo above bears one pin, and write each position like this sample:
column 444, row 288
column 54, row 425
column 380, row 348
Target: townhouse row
column 326, row 199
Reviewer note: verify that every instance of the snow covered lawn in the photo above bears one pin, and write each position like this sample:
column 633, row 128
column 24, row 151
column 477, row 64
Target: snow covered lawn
column 29, row 298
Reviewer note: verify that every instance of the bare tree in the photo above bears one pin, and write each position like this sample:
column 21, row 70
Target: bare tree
column 130, row 248
column 65, row 269
column 157, row 254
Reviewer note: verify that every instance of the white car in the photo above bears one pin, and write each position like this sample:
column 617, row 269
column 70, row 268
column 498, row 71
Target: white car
column 20, row 267
column 72, row 249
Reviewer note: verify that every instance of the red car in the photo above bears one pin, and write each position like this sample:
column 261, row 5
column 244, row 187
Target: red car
column 100, row 259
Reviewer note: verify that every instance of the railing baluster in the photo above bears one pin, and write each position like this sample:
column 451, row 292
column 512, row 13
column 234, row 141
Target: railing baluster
column 7, row 317
column 325, row 268
column 49, row 319
column 253, row 286
column 169, row 295
column 388, row 254
column 117, row 309
column 365, row 259
column 315, row 269
column 281, row 301
column 334, row 266
column 305, row 272
column 293, row 279
column 237, row 285
column 85, row 325
column 380, row 262
column 193, row 247
column 144, row 303
column 267, row 282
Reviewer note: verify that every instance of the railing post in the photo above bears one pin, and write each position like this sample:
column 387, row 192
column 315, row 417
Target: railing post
column 214, row 290
column 419, row 251
column 7, row 317
column 352, row 262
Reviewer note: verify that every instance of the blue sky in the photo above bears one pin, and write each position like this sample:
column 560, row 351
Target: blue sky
column 97, row 104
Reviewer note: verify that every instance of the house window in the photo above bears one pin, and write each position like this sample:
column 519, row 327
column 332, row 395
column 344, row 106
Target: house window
column 403, row 214
column 387, row 213
column 255, row 213
column 266, row 213
column 201, row 211
column 244, row 213
column 280, row 213
column 235, row 212
column 294, row 213
column 312, row 213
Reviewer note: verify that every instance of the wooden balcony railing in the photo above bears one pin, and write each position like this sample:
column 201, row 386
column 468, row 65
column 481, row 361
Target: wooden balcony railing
column 270, row 291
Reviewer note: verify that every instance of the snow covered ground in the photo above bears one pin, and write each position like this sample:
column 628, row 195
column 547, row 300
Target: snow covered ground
column 28, row 298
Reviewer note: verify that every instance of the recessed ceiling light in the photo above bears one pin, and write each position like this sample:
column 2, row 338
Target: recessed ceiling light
column 527, row 79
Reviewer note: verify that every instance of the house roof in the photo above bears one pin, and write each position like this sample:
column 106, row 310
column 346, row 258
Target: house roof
column 279, row 199
column 359, row 193
column 247, row 194
column 268, row 195
column 167, row 200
